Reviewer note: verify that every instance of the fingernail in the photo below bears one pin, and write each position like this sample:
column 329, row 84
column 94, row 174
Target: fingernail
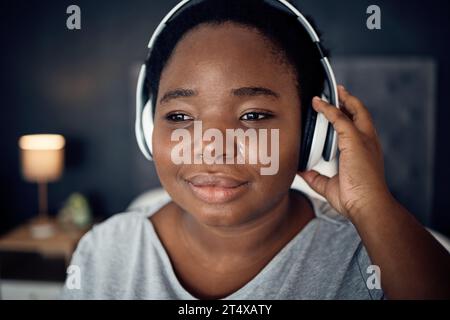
column 342, row 87
column 317, row 98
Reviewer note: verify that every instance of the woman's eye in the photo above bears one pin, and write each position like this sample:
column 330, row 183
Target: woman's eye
column 178, row 117
column 255, row 116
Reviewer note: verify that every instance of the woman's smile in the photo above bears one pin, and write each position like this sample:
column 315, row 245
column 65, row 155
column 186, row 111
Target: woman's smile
column 216, row 188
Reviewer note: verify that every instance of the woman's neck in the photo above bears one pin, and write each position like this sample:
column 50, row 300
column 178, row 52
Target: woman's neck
column 251, row 241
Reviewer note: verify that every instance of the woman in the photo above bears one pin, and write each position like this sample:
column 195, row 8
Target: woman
column 229, row 232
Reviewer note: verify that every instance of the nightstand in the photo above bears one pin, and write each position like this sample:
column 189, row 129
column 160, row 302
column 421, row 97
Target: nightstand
column 33, row 268
column 60, row 244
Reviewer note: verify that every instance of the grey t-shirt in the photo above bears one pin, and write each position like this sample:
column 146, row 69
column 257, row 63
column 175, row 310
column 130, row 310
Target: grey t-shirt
column 123, row 258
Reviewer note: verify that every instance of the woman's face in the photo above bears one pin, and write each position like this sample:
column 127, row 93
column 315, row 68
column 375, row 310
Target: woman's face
column 211, row 77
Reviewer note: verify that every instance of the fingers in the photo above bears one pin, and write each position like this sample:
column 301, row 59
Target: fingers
column 360, row 115
column 316, row 181
column 341, row 123
column 353, row 117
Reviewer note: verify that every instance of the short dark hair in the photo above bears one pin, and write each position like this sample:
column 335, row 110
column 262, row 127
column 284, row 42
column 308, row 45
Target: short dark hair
column 279, row 26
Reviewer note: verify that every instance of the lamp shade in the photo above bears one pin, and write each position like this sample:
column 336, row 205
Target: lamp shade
column 42, row 157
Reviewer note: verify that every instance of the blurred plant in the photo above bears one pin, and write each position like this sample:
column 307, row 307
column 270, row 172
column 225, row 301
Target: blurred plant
column 76, row 212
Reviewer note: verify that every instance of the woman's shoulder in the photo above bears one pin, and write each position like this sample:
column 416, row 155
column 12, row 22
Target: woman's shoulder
column 118, row 232
column 116, row 236
column 120, row 225
column 125, row 242
column 332, row 244
column 331, row 233
column 130, row 222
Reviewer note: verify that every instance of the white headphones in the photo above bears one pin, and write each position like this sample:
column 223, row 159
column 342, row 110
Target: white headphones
column 319, row 141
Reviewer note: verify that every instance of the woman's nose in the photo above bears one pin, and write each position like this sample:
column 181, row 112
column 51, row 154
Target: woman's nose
column 210, row 138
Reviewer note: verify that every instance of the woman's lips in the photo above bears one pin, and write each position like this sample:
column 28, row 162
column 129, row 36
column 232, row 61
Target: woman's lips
column 216, row 188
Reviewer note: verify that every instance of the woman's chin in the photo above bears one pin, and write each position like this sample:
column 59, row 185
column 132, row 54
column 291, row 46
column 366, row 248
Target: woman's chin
column 224, row 215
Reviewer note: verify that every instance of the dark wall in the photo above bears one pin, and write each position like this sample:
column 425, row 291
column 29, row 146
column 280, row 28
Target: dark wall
column 77, row 83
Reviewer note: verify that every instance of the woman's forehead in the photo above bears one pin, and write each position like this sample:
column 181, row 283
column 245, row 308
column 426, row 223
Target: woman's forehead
column 224, row 54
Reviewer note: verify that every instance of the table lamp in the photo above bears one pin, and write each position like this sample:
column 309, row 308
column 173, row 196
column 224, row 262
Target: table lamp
column 42, row 161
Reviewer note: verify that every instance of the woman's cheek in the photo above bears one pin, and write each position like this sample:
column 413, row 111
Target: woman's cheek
column 289, row 153
column 162, row 147
column 161, row 141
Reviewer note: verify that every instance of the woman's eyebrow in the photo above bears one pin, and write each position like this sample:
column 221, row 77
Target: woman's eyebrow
column 240, row 92
column 254, row 91
column 177, row 93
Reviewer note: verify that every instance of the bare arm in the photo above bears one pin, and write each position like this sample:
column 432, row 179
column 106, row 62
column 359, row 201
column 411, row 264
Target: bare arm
column 413, row 264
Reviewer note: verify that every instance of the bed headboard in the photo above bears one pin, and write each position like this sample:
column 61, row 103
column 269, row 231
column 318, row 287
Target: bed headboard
column 400, row 94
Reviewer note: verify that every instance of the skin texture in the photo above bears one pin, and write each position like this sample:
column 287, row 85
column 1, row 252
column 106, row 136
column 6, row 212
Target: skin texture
column 216, row 249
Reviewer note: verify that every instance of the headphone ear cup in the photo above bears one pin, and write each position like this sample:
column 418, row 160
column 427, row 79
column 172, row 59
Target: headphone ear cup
column 318, row 141
column 143, row 127
column 309, row 124
column 147, row 125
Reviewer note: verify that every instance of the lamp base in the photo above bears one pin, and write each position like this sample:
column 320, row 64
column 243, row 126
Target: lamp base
column 42, row 228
